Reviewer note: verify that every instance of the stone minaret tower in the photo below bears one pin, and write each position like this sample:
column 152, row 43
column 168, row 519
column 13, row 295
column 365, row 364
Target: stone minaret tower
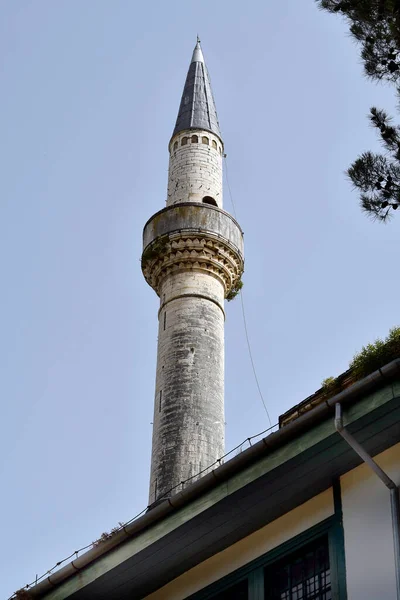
column 193, row 259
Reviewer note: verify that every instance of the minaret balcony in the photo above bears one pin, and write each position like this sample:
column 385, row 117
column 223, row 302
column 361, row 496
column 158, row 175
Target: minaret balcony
column 192, row 236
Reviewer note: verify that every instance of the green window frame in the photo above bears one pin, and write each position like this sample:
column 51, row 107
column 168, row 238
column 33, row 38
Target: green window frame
column 305, row 574
column 332, row 528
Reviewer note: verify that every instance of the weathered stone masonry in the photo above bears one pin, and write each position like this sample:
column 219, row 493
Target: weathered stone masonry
column 193, row 255
column 195, row 168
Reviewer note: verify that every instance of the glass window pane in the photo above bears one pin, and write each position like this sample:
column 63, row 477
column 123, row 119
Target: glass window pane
column 304, row 575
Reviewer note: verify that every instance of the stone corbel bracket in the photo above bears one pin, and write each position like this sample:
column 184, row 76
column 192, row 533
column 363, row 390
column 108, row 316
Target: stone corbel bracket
column 192, row 236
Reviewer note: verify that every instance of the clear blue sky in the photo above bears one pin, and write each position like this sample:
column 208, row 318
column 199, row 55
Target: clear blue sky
column 89, row 96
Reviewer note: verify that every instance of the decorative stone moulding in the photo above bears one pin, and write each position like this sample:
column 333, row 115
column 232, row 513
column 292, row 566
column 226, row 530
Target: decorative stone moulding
column 196, row 237
column 196, row 136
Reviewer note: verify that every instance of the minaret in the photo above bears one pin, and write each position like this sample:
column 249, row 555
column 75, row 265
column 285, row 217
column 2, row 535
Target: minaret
column 193, row 259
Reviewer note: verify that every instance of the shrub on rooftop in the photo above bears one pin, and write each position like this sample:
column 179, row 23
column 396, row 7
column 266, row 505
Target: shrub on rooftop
column 374, row 356
column 328, row 383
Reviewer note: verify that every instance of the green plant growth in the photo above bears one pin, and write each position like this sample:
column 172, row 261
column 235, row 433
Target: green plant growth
column 376, row 355
column 155, row 249
column 235, row 289
column 332, row 385
column 107, row 535
column 328, row 383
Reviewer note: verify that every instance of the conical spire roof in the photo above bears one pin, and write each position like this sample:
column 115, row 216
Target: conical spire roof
column 197, row 109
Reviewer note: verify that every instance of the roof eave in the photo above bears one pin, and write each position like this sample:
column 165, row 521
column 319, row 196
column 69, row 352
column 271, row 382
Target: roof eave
column 222, row 473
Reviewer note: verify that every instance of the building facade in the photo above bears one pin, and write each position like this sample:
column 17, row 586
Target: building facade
column 303, row 514
column 297, row 516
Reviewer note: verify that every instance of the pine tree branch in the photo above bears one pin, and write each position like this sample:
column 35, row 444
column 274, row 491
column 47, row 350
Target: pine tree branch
column 375, row 25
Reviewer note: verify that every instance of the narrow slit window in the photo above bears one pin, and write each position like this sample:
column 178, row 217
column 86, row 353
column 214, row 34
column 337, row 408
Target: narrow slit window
column 165, row 319
column 160, row 402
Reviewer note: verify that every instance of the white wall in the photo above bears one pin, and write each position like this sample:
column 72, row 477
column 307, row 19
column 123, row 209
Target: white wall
column 368, row 530
column 370, row 570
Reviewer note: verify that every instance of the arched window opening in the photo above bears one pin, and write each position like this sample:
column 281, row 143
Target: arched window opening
column 184, row 141
column 219, row 148
column 209, row 200
column 176, row 146
column 214, row 144
column 195, row 139
column 205, row 140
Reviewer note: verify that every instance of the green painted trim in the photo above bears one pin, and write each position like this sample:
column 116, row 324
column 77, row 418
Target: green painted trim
column 307, row 444
column 220, row 586
column 252, row 570
column 337, row 500
column 336, row 546
column 256, row 584
column 370, row 402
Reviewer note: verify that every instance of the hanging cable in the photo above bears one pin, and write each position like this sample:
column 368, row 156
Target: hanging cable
column 229, row 187
column 106, row 536
column 122, row 525
column 251, row 359
column 242, row 303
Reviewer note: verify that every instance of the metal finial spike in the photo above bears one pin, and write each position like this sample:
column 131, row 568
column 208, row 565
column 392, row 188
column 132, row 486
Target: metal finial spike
column 197, row 53
column 197, row 108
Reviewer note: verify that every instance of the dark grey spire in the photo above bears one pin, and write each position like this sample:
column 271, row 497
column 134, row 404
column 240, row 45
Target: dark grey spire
column 197, row 109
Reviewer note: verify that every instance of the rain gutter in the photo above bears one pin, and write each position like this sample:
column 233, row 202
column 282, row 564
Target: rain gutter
column 222, row 473
column 392, row 487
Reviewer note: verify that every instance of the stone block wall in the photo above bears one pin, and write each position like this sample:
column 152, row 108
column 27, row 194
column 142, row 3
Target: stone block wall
column 188, row 425
column 195, row 168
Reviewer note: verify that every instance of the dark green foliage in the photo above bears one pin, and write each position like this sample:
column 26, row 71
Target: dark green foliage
column 369, row 359
column 378, row 176
column 375, row 24
column 332, row 385
column 235, row 289
column 376, row 355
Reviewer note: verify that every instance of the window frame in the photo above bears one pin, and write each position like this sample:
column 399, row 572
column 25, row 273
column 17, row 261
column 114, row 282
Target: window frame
column 294, row 563
column 332, row 527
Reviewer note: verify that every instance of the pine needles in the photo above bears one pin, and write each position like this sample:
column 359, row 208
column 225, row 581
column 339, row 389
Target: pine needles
column 375, row 25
